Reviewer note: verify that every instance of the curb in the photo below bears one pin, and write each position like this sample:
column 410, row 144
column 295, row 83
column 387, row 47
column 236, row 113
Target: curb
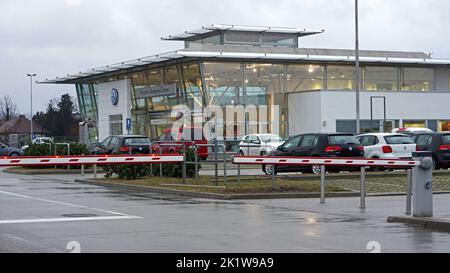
column 217, row 196
column 427, row 223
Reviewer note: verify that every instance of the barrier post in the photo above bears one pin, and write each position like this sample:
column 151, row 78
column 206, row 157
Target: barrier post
column 408, row 192
column 423, row 185
column 363, row 188
column 322, row 184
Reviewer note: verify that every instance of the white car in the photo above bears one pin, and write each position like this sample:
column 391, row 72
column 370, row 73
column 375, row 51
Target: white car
column 259, row 144
column 39, row 140
column 387, row 146
column 411, row 131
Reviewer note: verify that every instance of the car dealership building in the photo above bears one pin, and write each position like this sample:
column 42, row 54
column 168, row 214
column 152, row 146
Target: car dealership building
column 241, row 65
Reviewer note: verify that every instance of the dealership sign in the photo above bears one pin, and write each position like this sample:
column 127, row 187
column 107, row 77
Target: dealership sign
column 156, row 91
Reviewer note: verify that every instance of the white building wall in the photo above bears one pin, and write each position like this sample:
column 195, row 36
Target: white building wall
column 318, row 111
column 106, row 108
column 340, row 105
column 305, row 112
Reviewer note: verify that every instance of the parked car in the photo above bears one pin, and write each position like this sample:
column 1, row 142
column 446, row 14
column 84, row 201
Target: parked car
column 39, row 140
column 259, row 144
column 438, row 144
column 126, row 144
column 9, row 151
column 316, row 145
column 387, row 146
column 171, row 146
column 411, row 131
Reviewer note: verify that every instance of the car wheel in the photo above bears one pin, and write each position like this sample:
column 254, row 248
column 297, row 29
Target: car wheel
column 14, row 154
column 263, row 153
column 269, row 169
column 316, row 169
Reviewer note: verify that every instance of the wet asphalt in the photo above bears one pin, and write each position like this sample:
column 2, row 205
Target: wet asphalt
column 50, row 213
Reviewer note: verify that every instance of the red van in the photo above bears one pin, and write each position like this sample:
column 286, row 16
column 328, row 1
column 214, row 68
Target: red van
column 167, row 139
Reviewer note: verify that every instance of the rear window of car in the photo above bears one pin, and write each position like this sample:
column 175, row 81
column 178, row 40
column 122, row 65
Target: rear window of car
column 446, row 139
column 343, row 140
column 137, row 141
column 398, row 140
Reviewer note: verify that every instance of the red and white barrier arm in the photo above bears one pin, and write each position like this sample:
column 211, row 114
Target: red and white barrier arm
column 89, row 160
column 308, row 161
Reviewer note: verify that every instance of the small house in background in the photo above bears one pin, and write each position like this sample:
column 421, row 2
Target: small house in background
column 20, row 127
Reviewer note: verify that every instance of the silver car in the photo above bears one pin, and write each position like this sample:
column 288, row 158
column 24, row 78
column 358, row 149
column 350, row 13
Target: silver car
column 259, row 144
column 9, row 151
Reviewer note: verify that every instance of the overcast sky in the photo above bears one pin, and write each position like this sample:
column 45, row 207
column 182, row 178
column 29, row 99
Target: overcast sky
column 56, row 37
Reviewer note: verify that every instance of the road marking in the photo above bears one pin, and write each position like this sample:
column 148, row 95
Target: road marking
column 74, row 219
column 118, row 215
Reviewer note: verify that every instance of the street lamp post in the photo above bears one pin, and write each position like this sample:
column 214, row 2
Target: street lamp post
column 357, row 74
column 31, row 103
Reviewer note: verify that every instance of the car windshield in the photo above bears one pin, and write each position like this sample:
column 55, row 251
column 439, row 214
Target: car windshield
column 446, row 139
column 137, row 141
column 271, row 138
column 343, row 140
column 398, row 140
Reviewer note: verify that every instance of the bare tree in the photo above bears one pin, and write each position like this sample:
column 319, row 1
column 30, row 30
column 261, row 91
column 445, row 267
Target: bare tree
column 8, row 109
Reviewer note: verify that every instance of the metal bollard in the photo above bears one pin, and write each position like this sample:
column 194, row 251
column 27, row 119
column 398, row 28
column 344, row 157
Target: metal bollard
column 196, row 160
column 363, row 188
column 322, row 185
column 224, row 166
column 160, row 165
column 274, row 180
column 239, row 174
column 82, row 168
column 408, row 192
column 423, row 185
column 216, row 165
column 184, row 163
column 95, row 171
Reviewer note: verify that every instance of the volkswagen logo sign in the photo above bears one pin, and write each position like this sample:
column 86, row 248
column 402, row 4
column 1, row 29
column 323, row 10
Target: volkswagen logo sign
column 115, row 97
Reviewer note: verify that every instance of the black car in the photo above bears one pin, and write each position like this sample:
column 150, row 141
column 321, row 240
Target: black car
column 126, row 144
column 438, row 144
column 316, row 145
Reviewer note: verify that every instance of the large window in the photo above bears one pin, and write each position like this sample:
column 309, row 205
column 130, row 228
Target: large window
column 340, row 77
column 260, row 39
column 379, row 78
column 223, row 83
column 193, row 85
column 417, row 79
column 305, row 77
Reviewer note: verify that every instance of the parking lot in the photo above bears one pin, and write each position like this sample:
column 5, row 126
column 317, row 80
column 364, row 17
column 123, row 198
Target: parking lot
column 52, row 213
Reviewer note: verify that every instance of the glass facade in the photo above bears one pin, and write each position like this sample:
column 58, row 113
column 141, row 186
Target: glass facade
column 87, row 100
column 156, row 91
